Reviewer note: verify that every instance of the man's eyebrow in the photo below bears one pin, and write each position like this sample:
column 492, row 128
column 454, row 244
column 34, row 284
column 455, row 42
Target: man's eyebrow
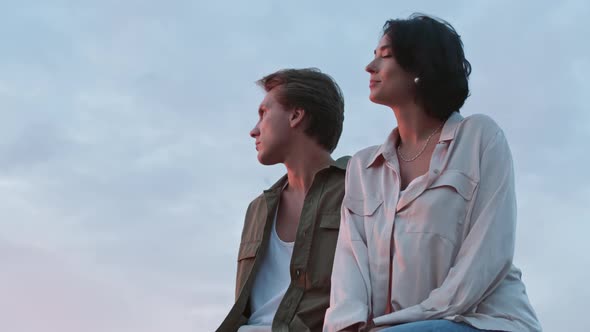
column 388, row 46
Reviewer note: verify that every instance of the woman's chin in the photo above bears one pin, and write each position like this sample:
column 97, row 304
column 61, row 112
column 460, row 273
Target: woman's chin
column 377, row 99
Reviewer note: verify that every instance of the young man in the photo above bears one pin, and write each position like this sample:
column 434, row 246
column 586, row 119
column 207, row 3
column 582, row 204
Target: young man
column 290, row 232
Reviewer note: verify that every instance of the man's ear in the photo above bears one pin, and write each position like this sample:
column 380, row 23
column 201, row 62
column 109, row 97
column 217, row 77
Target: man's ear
column 296, row 117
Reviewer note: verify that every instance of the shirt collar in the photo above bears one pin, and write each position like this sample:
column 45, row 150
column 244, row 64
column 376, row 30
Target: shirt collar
column 340, row 164
column 387, row 149
column 450, row 127
column 278, row 186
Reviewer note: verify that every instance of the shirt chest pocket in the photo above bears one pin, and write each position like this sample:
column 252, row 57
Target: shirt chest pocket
column 362, row 214
column 442, row 208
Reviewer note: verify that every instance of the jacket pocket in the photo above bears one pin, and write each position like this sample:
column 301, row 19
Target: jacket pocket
column 246, row 256
column 330, row 221
column 322, row 250
column 248, row 250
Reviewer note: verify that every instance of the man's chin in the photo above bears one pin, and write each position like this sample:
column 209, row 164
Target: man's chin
column 266, row 161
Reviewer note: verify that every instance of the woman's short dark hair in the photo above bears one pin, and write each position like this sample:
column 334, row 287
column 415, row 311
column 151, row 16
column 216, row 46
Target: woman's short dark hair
column 317, row 94
column 431, row 49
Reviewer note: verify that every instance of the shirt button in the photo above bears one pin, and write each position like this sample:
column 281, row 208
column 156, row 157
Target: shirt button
column 436, row 171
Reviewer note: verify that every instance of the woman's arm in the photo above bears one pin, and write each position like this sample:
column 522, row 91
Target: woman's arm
column 350, row 289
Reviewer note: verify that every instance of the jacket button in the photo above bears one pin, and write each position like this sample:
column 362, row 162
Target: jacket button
column 297, row 273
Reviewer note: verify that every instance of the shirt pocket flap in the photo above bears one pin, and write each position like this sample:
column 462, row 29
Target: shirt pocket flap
column 248, row 250
column 462, row 183
column 362, row 207
column 330, row 220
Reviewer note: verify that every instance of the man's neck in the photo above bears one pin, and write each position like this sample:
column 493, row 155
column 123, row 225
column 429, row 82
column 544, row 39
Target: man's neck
column 302, row 168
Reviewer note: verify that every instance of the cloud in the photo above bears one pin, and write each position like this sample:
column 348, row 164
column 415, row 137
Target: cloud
column 42, row 292
column 126, row 166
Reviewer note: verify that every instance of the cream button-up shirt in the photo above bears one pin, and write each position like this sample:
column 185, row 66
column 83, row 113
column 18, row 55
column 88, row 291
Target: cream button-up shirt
column 445, row 246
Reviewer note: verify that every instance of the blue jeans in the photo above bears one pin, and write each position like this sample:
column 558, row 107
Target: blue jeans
column 440, row 325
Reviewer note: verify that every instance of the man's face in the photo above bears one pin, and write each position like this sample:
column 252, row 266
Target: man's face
column 272, row 131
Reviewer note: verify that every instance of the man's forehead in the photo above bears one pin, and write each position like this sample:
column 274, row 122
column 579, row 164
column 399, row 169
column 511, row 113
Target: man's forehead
column 268, row 100
column 265, row 103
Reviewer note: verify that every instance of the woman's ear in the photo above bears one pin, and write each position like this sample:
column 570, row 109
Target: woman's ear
column 296, row 117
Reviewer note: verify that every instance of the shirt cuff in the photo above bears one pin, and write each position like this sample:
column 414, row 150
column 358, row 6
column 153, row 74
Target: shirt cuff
column 407, row 315
column 344, row 316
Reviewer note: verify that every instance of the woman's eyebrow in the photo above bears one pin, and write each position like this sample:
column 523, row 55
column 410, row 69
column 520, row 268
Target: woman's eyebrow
column 382, row 48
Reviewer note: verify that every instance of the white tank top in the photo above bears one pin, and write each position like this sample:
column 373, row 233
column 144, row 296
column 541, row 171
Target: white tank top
column 271, row 282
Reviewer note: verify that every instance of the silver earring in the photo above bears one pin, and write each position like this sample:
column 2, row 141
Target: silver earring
column 416, row 80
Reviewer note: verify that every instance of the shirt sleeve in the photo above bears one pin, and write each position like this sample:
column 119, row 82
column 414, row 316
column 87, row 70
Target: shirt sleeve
column 485, row 256
column 350, row 289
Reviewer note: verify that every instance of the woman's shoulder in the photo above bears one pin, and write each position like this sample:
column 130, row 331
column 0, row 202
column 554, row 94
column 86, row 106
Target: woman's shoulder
column 479, row 125
column 365, row 156
column 480, row 121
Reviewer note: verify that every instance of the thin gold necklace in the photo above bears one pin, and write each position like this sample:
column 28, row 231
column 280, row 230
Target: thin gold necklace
column 401, row 155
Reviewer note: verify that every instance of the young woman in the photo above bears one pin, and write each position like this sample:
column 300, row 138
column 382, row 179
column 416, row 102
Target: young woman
column 428, row 219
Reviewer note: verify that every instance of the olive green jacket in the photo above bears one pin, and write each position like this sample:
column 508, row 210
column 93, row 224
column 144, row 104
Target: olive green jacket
column 305, row 302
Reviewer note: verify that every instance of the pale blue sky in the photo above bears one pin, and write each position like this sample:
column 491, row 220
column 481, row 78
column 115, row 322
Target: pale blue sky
column 126, row 165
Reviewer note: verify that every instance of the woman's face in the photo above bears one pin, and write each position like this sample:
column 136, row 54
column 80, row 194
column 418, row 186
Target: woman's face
column 390, row 85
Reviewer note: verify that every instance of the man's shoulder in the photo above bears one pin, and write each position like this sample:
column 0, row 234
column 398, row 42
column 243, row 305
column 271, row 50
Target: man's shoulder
column 259, row 199
column 256, row 204
column 341, row 162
